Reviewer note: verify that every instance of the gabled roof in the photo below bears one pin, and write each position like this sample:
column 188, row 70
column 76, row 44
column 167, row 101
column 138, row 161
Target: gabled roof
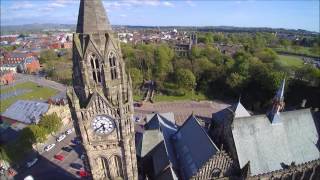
column 193, row 147
column 152, row 136
column 267, row 146
column 240, row 111
column 92, row 17
column 156, row 140
column 228, row 114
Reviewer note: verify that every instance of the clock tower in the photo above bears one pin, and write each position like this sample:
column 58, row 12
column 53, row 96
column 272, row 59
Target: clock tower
column 101, row 98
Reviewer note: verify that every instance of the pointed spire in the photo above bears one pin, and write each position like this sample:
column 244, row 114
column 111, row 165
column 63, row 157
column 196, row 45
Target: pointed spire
column 92, row 17
column 278, row 103
column 279, row 96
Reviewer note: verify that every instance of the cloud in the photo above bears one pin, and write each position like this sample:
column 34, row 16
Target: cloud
column 21, row 5
column 191, row 3
column 167, row 3
column 130, row 3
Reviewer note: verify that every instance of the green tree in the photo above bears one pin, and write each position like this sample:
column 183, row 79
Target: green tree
column 285, row 43
column 48, row 55
column 39, row 133
column 185, row 79
column 163, row 62
column 51, row 123
column 267, row 55
column 235, row 81
column 136, row 76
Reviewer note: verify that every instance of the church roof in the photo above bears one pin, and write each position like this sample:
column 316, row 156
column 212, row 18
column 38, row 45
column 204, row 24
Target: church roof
column 92, row 17
column 193, row 147
column 152, row 135
column 240, row 111
column 269, row 146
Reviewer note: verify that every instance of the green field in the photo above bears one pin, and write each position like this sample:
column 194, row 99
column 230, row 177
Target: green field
column 37, row 93
column 290, row 61
column 187, row 96
column 301, row 50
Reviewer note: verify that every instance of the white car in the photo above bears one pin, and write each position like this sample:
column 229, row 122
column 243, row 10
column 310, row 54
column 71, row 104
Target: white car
column 69, row 131
column 31, row 163
column 61, row 137
column 50, row 146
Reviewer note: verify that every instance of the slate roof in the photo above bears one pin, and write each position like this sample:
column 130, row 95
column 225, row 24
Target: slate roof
column 152, row 135
column 92, row 17
column 228, row 114
column 268, row 145
column 26, row 111
column 193, row 147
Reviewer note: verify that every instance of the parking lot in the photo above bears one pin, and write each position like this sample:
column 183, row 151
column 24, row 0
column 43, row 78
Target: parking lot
column 48, row 167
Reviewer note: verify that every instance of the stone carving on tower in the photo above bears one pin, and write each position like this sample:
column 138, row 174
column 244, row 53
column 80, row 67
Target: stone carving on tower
column 101, row 98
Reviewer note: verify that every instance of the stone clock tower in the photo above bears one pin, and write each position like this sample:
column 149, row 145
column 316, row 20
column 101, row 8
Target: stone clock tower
column 101, row 98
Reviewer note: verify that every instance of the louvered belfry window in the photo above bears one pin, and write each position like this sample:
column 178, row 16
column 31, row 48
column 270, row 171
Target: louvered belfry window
column 113, row 66
column 95, row 67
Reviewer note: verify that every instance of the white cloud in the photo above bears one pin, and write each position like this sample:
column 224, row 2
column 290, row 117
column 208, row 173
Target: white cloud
column 56, row 5
column 130, row 3
column 191, row 3
column 22, row 5
column 167, row 3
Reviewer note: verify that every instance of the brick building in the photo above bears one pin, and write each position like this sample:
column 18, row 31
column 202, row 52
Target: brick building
column 6, row 77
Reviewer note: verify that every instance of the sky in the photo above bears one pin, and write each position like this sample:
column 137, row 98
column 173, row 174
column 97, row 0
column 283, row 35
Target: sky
column 291, row 14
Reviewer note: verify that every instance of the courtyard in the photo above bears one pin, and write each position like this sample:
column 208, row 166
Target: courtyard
column 182, row 109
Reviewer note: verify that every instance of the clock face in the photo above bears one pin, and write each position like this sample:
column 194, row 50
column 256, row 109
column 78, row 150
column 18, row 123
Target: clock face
column 102, row 125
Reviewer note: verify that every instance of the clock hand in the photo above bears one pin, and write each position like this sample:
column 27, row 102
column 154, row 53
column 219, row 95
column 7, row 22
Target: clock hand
column 99, row 127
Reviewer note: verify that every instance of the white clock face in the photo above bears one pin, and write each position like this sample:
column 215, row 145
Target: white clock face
column 102, row 125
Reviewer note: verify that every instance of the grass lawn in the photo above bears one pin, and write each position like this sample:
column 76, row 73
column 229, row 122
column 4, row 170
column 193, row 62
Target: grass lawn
column 290, row 61
column 37, row 93
column 187, row 96
column 24, row 85
column 301, row 50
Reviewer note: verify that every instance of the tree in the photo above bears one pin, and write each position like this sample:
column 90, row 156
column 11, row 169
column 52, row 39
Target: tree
column 136, row 76
column 285, row 43
column 47, row 55
column 267, row 55
column 39, row 133
column 185, row 79
column 163, row 62
column 235, row 81
column 51, row 123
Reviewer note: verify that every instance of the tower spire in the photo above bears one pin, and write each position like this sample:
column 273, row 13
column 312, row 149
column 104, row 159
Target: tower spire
column 278, row 103
column 92, row 17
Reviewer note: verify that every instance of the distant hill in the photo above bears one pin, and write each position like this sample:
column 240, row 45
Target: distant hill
column 30, row 28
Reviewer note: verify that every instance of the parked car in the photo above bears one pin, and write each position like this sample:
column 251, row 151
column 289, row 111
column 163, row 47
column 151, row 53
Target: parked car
column 66, row 148
column 48, row 147
column 29, row 177
column 69, row 131
column 31, row 163
column 59, row 157
column 83, row 173
column 61, row 137
column 82, row 156
column 76, row 140
column 76, row 166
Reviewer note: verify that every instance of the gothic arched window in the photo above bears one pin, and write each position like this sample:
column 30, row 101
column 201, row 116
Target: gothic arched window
column 95, row 68
column 113, row 66
column 112, row 167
